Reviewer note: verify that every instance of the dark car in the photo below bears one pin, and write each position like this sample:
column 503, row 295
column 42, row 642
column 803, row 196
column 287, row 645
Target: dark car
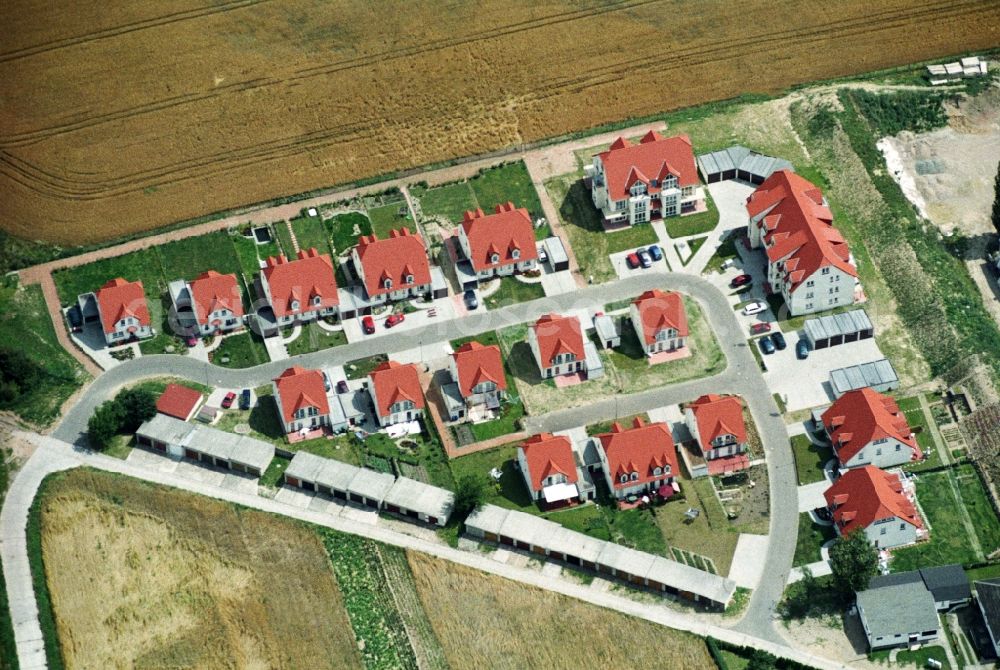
column 802, row 350
column 471, row 301
column 342, row 386
column 655, row 251
column 326, row 383
column 741, row 280
column 394, row 319
column 368, row 325
column 632, row 260
column 766, row 345
column 245, row 399
column 762, row 327
column 227, row 402
column 779, row 340
column 644, row 259
column 75, row 318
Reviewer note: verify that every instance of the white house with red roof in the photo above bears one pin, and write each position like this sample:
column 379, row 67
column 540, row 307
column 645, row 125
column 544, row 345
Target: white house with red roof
column 551, row 473
column 300, row 395
column 560, row 348
column 660, row 321
column 393, row 269
column 638, row 183
column 478, row 382
column 638, row 460
column 499, row 244
column 877, row 502
column 396, row 393
column 302, row 289
column 866, row 427
column 716, row 422
column 122, row 311
column 808, row 260
column 212, row 300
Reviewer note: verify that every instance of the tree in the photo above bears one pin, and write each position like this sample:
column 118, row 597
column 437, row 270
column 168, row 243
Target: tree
column 996, row 201
column 470, row 493
column 762, row 660
column 137, row 405
column 853, row 561
column 104, row 424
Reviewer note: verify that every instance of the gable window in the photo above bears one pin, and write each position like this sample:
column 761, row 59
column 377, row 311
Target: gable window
column 657, row 471
column 295, row 305
column 635, row 476
column 494, row 258
column 409, row 279
column 623, row 479
column 387, row 283
column 826, row 271
column 515, row 254
column 317, row 300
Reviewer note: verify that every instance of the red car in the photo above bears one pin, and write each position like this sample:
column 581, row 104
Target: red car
column 741, row 280
column 368, row 325
column 394, row 319
column 227, row 402
column 632, row 260
column 759, row 328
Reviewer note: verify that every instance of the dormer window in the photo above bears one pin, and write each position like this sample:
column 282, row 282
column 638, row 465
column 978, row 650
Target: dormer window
column 409, row 279
column 317, row 300
column 657, row 471
column 295, row 305
column 494, row 258
column 653, row 183
column 387, row 283
column 515, row 254
column 635, row 476
column 623, row 479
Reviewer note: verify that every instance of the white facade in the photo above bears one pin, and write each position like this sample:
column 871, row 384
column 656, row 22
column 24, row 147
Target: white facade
column 720, row 447
column 665, row 478
column 308, row 418
column 399, row 412
column 121, row 331
column 417, row 291
column 883, row 453
column 563, row 364
column 641, row 206
column 502, row 270
column 667, row 339
column 304, row 316
column 554, row 478
column 890, row 532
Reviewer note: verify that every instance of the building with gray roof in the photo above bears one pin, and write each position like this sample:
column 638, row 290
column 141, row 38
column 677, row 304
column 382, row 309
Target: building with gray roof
column 368, row 487
column 988, row 600
column 879, row 375
column 607, row 331
column 898, row 615
column 417, row 500
column 738, row 162
column 833, row 329
column 177, row 438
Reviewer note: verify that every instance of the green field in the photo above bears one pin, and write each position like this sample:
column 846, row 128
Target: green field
column 506, row 183
column 310, row 232
column 810, row 538
column 450, row 201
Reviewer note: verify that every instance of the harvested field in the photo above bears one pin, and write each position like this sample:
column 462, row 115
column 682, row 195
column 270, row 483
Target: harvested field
column 517, row 626
column 214, row 105
column 177, row 580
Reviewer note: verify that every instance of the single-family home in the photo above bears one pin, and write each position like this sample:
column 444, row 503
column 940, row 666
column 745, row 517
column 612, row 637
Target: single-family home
column 638, row 460
column 988, row 601
column 499, row 244
column 899, row 615
column 660, row 321
column 393, row 269
column 211, row 301
column 122, row 310
column 559, row 348
column 638, row 183
column 300, row 395
column 808, row 261
column 947, row 583
column 396, row 393
column 478, row 381
column 876, row 502
column 867, row 428
column 549, row 468
column 717, row 424
column 302, row 289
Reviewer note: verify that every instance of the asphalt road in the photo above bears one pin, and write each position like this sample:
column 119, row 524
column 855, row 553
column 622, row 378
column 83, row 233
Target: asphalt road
column 741, row 376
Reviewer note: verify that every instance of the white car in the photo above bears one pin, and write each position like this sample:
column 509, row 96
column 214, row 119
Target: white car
column 543, row 257
column 754, row 308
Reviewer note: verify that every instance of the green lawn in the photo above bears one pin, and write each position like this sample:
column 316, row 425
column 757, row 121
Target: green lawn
column 913, row 659
column 274, row 475
column 977, row 504
column 506, row 183
column 313, row 338
column 386, row 218
column 243, row 350
column 486, row 339
column 811, row 537
column 694, row 224
column 360, row 367
column 809, row 459
column 695, row 244
column 510, row 492
column 510, row 414
column 310, row 232
column 513, row 291
column 341, row 448
column 450, row 201
column 250, row 253
column 143, row 265
column 262, row 418
column 346, row 228
column 189, row 257
column 725, row 251
column 985, row 572
column 284, row 236
column 918, row 423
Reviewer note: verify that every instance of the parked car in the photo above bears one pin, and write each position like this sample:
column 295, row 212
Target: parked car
column 644, row 259
column 766, row 345
column 394, row 319
column 655, row 251
column 227, row 402
column 802, row 350
column 543, row 256
column 342, row 386
column 632, row 260
column 754, row 308
column 741, row 280
column 191, row 340
column 758, row 328
column 471, row 301
column 245, row 399
column 778, row 339
column 368, row 325
column 75, row 318
column 726, row 264
column 326, row 382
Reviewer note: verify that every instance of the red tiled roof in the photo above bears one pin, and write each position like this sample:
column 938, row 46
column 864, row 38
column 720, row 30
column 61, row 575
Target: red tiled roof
column 394, row 382
column 118, row 299
column 211, row 291
column 799, row 228
column 477, row 364
column 658, row 311
column 718, row 415
column 302, row 279
column 299, row 388
column 547, row 454
column 865, row 495
column 858, row 417
column 402, row 254
column 178, row 401
column 501, row 233
column 654, row 158
column 558, row 335
column 639, row 449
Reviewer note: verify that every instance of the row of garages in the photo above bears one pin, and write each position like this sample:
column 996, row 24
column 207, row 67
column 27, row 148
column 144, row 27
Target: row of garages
column 835, row 329
column 369, row 488
column 180, row 439
column 546, row 538
column 738, row 162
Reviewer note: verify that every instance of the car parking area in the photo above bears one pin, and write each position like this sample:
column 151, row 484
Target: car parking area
column 439, row 310
column 619, row 261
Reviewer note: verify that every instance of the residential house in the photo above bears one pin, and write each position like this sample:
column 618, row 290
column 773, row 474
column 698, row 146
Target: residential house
column 660, row 321
column 867, row 428
column 178, row 401
column 393, row 269
column 717, row 425
column 877, row 503
column 988, row 601
column 638, row 460
column 808, row 260
column 638, row 183
column 122, row 310
column 899, row 615
column 947, row 583
column 302, row 402
column 499, row 244
column 396, row 393
column 549, row 468
column 212, row 301
column 559, row 348
column 300, row 290
column 478, row 381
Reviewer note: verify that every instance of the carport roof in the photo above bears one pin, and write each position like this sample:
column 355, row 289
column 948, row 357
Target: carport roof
column 371, row 484
column 422, row 498
column 326, row 471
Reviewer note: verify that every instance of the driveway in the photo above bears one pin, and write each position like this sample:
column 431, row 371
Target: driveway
column 749, row 560
column 556, row 283
column 811, row 496
column 620, row 264
column 804, row 384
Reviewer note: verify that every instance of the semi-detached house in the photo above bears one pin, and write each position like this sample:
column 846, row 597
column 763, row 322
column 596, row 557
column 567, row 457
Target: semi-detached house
column 549, row 468
column 867, row 428
column 559, row 348
column 808, row 261
column 300, row 395
column 478, row 381
column 638, row 460
column 396, row 393
column 638, row 183
column 393, row 269
column 498, row 244
column 877, row 503
column 121, row 306
column 213, row 300
column 302, row 289
column 660, row 321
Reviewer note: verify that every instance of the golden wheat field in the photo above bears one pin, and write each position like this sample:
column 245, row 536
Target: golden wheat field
column 121, row 116
column 148, row 577
column 476, row 616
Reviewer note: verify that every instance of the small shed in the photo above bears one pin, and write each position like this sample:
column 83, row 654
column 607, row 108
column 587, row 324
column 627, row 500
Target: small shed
column 607, row 331
column 558, row 259
column 410, row 498
column 439, row 285
column 179, row 402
